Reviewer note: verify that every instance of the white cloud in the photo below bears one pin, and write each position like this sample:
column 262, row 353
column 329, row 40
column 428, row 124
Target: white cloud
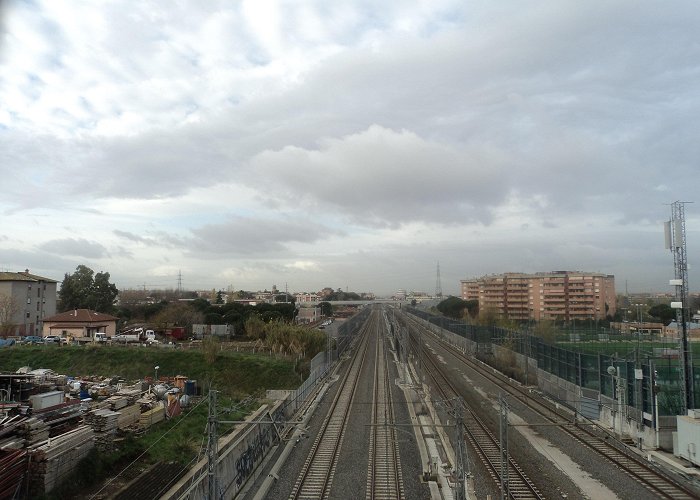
column 324, row 143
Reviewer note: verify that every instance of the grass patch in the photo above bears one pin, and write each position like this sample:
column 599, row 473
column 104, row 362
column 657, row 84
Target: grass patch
column 182, row 439
column 234, row 374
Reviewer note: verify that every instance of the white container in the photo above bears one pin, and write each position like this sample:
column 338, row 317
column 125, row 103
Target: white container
column 47, row 399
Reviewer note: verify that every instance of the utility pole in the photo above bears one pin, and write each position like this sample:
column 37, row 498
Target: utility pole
column 438, row 283
column 674, row 230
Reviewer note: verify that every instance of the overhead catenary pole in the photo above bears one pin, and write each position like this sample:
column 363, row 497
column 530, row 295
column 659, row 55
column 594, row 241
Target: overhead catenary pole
column 212, row 448
column 462, row 465
column 503, row 431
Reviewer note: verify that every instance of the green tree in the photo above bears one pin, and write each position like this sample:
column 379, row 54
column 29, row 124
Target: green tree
column 177, row 314
column 86, row 290
column 201, row 304
column 104, row 293
column 472, row 308
column 326, row 308
column 453, row 307
column 662, row 312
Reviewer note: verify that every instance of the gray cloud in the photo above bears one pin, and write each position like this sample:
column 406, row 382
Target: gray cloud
column 571, row 118
column 382, row 177
column 130, row 236
column 47, row 265
column 246, row 236
column 75, row 247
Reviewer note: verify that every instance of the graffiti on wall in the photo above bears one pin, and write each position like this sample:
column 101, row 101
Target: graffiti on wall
column 258, row 446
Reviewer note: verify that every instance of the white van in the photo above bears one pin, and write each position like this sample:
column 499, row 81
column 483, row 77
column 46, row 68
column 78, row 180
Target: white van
column 100, row 337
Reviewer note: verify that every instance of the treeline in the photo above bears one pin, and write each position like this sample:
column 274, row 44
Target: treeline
column 457, row 308
column 200, row 311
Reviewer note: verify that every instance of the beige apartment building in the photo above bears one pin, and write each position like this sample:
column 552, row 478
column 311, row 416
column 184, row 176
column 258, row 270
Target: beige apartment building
column 26, row 299
column 559, row 295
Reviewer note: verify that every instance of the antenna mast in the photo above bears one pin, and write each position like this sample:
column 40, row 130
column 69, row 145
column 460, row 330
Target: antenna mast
column 674, row 231
column 438, row 283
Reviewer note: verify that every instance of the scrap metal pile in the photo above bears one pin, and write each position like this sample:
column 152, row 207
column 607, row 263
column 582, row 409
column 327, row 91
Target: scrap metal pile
column 49, row 422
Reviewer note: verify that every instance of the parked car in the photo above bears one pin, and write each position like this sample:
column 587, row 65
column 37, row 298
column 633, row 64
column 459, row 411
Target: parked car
column 6, row 342
column 52, row 339
column 32, row 339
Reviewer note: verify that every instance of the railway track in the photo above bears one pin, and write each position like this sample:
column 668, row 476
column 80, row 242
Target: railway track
column 486, row 445
column 316, row 475
column 384, row 477
column 596, row 439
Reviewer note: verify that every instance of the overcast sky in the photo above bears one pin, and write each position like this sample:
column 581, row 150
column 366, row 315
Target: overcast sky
column 351, row 144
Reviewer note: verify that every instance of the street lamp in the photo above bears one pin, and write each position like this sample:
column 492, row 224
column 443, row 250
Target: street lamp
column 156, row 377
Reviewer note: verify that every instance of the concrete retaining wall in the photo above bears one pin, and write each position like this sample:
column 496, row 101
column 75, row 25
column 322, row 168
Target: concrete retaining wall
column 240, row 454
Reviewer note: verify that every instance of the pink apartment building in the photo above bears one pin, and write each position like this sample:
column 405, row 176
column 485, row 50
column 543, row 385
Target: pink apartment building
column 558, row 295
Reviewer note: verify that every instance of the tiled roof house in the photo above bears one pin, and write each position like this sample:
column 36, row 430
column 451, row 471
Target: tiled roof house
column 80, row 324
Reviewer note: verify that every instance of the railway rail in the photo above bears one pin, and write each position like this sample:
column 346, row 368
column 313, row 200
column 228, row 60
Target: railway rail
column 486, row 445
column 316, row 475
column 590, row 435
column 384, row 477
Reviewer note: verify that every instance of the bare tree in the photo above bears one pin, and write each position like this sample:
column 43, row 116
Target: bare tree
column 9, row 307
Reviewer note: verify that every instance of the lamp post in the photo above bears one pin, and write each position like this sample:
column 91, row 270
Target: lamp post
column 156, row 377
column 639, row 318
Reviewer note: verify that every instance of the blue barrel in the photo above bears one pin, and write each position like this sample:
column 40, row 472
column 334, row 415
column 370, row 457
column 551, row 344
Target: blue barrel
column 191, row 387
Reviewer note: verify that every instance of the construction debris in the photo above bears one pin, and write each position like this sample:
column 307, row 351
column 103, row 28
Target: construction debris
column 104, row 424
column 53, row 459
column 50, row 422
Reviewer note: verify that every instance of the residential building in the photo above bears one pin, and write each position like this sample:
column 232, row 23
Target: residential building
column 692, row 330
column 80, row 324
column 308, row 315
column 302, row 297
column 635, row 327
column 28, row 300
column 560, row 295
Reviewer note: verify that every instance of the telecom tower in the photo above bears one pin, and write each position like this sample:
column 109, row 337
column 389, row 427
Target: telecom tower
column 674, row 231
column 438, row 283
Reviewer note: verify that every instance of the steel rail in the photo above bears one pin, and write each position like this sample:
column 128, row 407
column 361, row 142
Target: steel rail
column 384, row 476
column 487, row 446
column 653, row 479
column 316, row 475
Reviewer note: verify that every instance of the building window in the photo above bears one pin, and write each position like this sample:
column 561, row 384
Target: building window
column 37, row 305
